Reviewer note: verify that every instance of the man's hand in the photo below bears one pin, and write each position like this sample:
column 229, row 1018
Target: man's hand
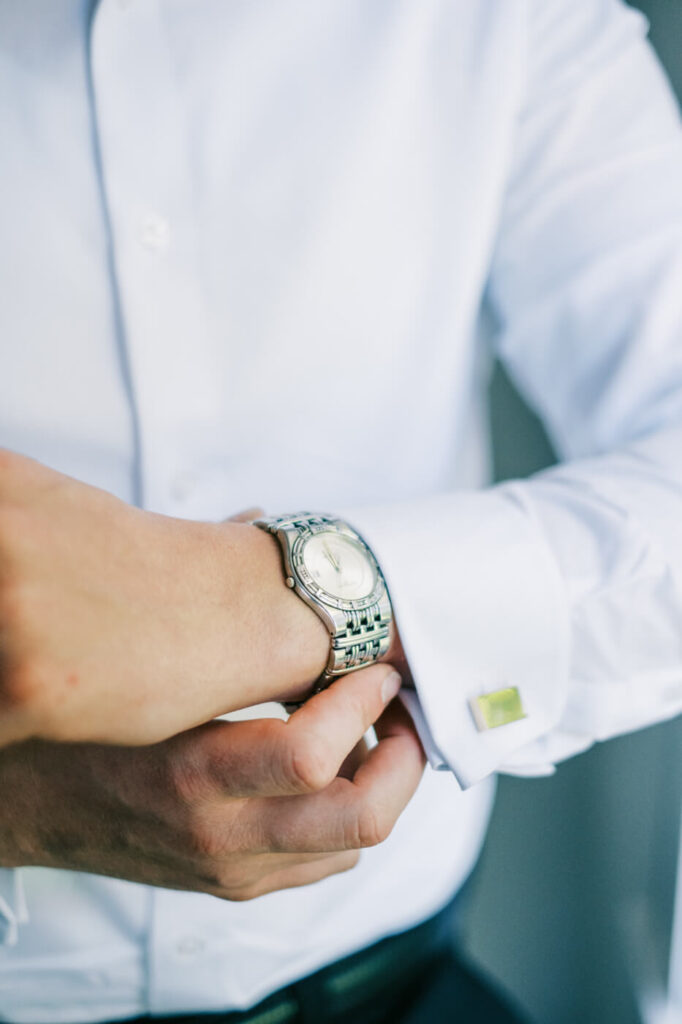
column 236, row 809
column 121, row 626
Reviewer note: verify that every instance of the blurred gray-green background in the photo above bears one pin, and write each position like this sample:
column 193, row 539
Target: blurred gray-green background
column 573, row 898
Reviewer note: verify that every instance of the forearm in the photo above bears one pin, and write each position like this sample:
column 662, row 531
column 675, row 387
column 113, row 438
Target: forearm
column 122, row 626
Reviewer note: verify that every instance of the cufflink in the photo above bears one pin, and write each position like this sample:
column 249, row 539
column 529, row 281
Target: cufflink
column 501, row 707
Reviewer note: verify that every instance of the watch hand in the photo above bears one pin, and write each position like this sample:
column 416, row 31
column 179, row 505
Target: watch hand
column 331, row 558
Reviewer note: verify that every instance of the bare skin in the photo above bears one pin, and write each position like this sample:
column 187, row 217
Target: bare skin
column 122, row 635
column 235, row 809
column 122, row 626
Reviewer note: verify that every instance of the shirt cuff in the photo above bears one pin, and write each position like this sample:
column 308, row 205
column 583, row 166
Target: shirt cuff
column 13, row 909
column 480, row 604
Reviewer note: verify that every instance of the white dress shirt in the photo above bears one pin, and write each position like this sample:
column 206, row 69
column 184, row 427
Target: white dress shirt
column 260, row 252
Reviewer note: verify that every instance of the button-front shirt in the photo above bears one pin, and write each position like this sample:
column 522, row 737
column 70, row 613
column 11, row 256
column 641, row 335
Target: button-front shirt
column 262, row 252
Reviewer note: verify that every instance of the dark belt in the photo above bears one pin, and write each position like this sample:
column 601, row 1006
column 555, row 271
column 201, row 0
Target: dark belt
column 386, row 973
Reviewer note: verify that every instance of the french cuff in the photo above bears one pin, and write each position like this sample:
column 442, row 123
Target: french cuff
column 482, row 611
column 13, row 910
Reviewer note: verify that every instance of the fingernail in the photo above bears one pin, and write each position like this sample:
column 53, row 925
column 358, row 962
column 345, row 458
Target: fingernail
column 390, row 686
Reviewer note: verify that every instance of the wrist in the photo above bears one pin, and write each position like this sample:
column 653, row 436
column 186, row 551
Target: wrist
column 327, row 564
column 284, row 644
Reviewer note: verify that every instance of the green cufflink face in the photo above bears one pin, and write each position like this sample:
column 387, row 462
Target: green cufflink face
column 497, row 708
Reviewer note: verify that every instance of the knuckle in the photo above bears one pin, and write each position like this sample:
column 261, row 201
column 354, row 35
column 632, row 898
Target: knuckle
column 204, row 840
column 218, row 837
column 187, row 777
column 373, row 826
column 309, row 769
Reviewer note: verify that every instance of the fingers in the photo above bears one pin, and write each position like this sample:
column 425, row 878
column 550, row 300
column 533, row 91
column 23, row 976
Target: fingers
column 306, row 874
column 310, row 810
column 353, row 761
column 248, row 846
column 349, row 814
column 246, row 880
column 268, row 757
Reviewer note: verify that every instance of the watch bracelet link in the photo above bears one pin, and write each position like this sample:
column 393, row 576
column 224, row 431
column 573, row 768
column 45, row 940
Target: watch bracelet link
column 363, row 640
column 361, row 636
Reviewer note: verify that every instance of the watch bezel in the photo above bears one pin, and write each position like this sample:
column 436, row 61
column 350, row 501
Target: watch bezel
column 307, row 583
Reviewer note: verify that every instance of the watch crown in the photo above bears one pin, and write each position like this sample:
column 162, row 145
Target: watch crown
column 290, row 582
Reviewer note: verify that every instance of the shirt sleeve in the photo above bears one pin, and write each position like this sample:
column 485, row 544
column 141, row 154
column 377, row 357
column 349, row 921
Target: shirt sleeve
column 567, row 585
column 13, row 911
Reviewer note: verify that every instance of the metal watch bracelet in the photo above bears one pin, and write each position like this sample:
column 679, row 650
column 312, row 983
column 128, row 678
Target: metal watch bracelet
column 359, row 630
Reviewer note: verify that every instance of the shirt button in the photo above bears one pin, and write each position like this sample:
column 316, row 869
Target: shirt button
column 182, row 486
column 190, row 945
column 154, row 231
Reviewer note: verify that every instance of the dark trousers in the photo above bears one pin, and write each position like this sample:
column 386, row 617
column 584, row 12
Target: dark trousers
column 445, row 991
column 451, row 993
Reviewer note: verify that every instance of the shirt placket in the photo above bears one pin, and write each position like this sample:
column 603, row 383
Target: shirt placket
column 163, row 328
column 147, row 182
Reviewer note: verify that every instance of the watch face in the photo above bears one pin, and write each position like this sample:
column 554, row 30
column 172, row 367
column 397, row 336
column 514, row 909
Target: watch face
column 340, row 566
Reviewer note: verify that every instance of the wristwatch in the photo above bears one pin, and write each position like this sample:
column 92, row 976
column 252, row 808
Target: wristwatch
column 329, row 566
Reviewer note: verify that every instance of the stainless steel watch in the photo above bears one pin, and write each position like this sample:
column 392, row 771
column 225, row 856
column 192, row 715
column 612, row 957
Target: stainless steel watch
column 327, row 563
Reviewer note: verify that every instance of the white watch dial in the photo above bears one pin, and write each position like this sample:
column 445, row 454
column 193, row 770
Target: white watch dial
column 340, row 566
